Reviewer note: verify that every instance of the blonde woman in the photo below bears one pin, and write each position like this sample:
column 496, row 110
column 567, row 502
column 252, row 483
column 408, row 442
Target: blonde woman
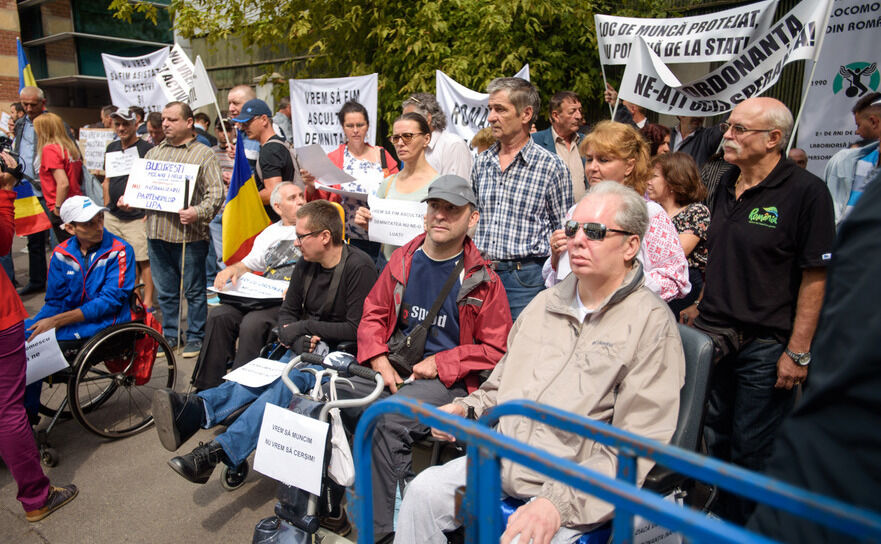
column 61, row 166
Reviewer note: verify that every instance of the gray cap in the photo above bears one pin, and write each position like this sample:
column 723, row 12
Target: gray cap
column 125, row 114
column 454, row 189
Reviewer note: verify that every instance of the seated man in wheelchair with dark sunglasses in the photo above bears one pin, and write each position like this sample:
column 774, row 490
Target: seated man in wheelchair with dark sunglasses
column 322, row 309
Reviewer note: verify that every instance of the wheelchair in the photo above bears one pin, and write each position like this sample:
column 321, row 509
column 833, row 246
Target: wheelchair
column 108, row 387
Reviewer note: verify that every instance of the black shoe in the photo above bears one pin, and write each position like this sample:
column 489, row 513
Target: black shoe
column 31, row 288
column 198, row 465
column 339, row 525
column 177, row 417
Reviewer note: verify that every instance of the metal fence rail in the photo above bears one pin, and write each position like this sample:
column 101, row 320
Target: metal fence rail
column 485, row 448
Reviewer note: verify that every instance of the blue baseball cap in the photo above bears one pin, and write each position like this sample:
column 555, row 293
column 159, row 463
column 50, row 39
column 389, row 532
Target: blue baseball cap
column 251, row 109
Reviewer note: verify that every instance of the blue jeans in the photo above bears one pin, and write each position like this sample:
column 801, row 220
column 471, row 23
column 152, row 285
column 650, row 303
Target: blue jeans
column 240, row 438
column 744, row 414
column 165, row 263
column 215, row 249
column 522, row 285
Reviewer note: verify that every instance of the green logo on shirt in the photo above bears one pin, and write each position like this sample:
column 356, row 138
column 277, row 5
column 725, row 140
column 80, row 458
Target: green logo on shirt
column 766, row 217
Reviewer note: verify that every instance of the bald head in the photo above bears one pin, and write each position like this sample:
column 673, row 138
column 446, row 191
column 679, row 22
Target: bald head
column 774, row 115
column 33, row 101
column 799, row 157
column 237, row 97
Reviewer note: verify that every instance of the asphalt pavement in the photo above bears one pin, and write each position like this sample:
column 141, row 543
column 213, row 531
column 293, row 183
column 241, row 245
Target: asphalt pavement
column 127, row 492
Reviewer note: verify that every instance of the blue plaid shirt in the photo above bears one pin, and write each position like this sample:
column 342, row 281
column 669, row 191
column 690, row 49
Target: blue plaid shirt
column 522, row 206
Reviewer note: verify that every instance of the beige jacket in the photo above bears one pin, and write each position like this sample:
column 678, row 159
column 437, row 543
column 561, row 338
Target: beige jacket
column 623, row 365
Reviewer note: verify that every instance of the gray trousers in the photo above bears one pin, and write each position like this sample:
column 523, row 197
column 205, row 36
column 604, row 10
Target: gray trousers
column 393, row 442
column 428, row 509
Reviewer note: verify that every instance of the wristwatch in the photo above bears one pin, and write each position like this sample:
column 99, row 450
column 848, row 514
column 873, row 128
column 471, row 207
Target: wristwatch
column 801, row 359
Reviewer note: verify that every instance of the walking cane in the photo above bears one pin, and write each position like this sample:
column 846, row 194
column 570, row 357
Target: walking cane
column 183, row 261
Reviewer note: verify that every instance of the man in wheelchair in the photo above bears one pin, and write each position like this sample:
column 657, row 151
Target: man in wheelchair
column 598, row 344
column 322, row 304
column 91, row 277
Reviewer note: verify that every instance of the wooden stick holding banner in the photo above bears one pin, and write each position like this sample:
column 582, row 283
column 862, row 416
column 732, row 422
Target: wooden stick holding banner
column 183, row 263
column 607, row 87
column 815, row 61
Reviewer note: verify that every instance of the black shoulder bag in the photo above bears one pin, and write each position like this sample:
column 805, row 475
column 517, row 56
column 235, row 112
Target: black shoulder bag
column 406, row 351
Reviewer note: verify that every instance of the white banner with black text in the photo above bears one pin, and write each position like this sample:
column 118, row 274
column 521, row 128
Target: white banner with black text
column 316, row 102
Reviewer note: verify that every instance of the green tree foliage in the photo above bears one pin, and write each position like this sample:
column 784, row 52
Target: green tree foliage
column 473, row 41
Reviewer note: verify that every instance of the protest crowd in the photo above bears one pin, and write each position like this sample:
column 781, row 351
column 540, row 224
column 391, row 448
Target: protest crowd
column 552, row 265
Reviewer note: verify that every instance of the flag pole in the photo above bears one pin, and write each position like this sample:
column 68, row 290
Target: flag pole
column 816, row 60
column 183, row 261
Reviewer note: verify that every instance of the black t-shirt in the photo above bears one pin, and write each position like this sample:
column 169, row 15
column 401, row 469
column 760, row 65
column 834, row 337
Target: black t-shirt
column 117, row 184
column 830, row 444
column 340, row 323
column 759, row 245
column 275, row 160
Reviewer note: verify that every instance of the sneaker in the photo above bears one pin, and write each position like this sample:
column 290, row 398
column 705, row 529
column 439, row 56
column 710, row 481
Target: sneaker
column 172, row 343
column 214, row 301
column 58, row 497
column 198, row 465
column 192, row 349
column 339, row 525
column 177, row 417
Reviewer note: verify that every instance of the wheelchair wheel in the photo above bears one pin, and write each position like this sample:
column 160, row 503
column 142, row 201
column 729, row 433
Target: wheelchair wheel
column 106, row 394
column 234, row 478
column 54, row 393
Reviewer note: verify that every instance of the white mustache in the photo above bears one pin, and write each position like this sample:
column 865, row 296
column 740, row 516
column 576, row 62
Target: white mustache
column 732, row 146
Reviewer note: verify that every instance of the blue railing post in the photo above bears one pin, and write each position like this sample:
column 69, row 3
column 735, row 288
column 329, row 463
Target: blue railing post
column 622, row 529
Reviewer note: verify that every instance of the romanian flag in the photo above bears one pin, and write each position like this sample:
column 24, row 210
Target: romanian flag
column 244, row 217
column 29, row 214
column 25, row 74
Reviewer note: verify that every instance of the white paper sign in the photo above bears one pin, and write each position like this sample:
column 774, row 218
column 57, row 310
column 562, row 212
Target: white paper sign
column 316, row 102
column 849, row 68
column 175, row 77
column 44, row 357
column 290, row 448
column 130, row 80
column 253, row 286
column 96, row 140
column 4, row 122
column 395, row 222
column 711, row 37
column 119, row 163
column 257, row 373
column 798, row 35
column 466, row 110
column 159, row 185
column 315, row 160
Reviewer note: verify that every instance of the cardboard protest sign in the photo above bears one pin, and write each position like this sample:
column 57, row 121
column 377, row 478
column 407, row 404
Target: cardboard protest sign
column 316, row 102
column 798, row 35
column 847, row 70
column 95, row 142
column 159, row 185
column 130, row 80
column 466, row 110
column 119, row 163
column 395, row 222
column 711, row 37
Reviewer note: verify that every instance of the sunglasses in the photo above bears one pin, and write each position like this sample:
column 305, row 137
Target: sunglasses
column 406, row 136
column 593, row 231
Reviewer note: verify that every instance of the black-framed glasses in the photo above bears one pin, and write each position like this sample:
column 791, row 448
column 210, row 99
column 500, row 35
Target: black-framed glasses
column 593, row 231
column 406, row 136
column 308, row 234
column 740, row 130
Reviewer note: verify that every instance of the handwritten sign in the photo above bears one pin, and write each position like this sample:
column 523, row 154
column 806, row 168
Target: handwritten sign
column 290, row 448
column 159, row 185
column 131, row 80
column 257, row 373
column 44, row 357
column 316, row 102
column 253, row 286
column 395, row 222
column 95, row 144
column 119, row 163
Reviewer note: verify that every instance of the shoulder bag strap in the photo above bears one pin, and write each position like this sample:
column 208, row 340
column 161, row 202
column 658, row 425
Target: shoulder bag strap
column 334, row 283
column 444, row 292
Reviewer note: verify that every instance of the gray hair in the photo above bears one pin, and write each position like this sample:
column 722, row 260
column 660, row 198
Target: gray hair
column 521, row 93
column 778, row 116
column 633, row 215
column 30, row 89
column 426, row 104
column 275, row 195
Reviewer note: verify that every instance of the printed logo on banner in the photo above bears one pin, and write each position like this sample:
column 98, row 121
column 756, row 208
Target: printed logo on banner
column 861, row 78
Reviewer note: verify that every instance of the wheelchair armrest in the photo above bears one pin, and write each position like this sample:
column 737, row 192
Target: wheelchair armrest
column 348, row 347
column 662, row 480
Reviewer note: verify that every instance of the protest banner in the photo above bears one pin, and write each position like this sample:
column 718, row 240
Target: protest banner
column 131, row 80
column 316, row 102
column 95, row 142
column 395, row 222
column 119, row 163
column 710, row 37
column 466, row 110
column 44, row 357
column 798, row 35
column 847, row 70
column 175, row 77
column 290, row 448
column 159, row 185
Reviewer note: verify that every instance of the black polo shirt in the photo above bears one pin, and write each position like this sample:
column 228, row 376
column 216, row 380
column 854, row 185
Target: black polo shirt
column 117, row 184
column 759, row 245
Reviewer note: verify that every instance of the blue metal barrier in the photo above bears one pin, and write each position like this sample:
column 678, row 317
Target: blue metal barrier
column 482, row 516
